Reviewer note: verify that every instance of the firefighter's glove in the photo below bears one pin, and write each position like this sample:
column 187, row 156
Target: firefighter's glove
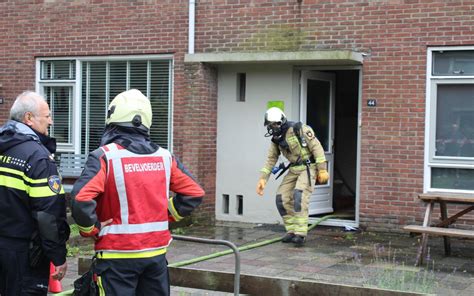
column 261, row 186
column 323, row 177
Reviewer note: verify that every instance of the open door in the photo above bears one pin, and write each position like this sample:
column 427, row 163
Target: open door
column 317, row 111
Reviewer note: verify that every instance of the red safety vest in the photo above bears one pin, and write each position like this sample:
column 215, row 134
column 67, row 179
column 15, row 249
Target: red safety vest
column 136, row 197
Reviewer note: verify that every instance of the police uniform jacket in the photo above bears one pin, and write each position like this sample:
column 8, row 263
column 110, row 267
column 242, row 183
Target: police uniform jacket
column 32, row 201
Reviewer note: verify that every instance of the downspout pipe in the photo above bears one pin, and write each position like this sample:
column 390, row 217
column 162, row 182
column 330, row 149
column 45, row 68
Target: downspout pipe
column 191, row 22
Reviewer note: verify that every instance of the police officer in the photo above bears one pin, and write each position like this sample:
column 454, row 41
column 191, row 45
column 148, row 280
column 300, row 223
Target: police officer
column 122, row 200
column 33, row 227
column 298, row 143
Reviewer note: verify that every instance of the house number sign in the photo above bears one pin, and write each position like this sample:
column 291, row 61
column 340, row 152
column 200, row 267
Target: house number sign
column 371, row 102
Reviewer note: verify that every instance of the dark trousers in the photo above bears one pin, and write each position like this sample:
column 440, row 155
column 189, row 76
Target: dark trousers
column 128, row 277
column 18, row 278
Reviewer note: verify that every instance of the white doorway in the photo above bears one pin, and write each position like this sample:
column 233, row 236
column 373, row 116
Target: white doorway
column 317, row 111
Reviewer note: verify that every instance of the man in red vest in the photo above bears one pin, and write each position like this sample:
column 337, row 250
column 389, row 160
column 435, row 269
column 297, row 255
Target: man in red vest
column 122, row 200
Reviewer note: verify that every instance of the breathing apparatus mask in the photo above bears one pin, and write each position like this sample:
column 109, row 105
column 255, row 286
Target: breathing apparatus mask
column 275, row 120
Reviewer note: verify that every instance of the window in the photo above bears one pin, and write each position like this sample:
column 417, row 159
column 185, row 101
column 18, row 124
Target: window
column 453, row 62
column 58, row 70
column 60, row 102
column 240, row 205
column 241, row 86
column 80, row 90
column 225, row 203
column 58, row 84
column 450, row 111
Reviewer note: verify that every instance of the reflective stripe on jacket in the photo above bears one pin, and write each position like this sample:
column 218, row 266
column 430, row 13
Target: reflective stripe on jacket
column 295, row 152
column 133, row 190
column 138, row 186
column 32, row 201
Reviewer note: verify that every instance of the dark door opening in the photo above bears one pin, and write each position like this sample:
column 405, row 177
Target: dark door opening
column 345, row 143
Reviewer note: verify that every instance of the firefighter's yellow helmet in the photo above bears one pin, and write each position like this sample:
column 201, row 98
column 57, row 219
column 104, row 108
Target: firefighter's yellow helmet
column 131, row 109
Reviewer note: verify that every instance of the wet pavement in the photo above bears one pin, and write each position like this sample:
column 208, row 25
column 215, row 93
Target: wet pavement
column 330, row 255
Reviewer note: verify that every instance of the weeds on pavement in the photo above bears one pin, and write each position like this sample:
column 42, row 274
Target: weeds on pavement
column 385, row 272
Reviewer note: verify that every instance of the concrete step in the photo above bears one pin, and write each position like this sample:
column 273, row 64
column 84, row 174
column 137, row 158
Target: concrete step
column 262, row 285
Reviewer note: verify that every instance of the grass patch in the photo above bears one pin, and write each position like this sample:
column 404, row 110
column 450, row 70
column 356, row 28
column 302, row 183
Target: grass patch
column 178, row 231
column 384, row 271
column 400, row 279
column 86, row 249
column 78, row 246
column 349, row 236
column 74, row 230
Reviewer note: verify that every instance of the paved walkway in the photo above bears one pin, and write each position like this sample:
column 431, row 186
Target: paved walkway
column 330, row 255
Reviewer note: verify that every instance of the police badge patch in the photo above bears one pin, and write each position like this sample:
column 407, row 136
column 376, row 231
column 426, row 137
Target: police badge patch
column 54, row 183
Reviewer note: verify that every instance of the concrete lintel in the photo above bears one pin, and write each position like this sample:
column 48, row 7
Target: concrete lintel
column 321, row 57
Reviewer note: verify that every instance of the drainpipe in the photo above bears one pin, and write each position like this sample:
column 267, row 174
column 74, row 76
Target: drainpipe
column 192, row 11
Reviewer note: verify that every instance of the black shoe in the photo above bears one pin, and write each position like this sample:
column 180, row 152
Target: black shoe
column 288, row 238
column 298, row 240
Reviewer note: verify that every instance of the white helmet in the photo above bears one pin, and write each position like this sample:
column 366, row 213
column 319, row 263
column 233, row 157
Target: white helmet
column 131, row 109
column 274, row 119
column 274, row 115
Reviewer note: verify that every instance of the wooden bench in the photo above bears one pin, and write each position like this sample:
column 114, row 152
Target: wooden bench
column 70, row 168
column 442, row 227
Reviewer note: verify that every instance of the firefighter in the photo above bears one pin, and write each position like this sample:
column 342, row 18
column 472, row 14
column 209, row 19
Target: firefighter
column 122, row 200
column 33, row 226
column 298, row 143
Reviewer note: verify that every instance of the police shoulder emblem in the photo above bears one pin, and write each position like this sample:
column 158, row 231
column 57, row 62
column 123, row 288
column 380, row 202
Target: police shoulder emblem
column 54, row 183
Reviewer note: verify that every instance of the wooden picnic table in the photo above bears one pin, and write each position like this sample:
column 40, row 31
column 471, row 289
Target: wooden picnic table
column 441, row 228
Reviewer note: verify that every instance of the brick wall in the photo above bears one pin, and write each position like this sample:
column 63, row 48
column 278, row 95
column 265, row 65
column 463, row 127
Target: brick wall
column 196, row 136
column 393, row 33
column 81, row 27
column 55, row 28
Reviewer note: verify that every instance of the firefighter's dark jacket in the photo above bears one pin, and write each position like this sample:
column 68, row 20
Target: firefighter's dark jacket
column 32, row 199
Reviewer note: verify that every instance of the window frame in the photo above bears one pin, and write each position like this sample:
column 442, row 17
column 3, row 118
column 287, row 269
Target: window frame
column 61, row 146
column 77, row 91
column 431, row 160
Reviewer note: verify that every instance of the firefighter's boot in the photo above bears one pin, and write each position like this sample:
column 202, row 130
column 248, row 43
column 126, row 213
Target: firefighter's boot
column 298, row 240
column 288, row 238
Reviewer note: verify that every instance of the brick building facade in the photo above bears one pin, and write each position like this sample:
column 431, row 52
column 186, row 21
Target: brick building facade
column 394, row 38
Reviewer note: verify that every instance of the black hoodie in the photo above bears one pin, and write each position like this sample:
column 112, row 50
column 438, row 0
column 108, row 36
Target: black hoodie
column 33, row 199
